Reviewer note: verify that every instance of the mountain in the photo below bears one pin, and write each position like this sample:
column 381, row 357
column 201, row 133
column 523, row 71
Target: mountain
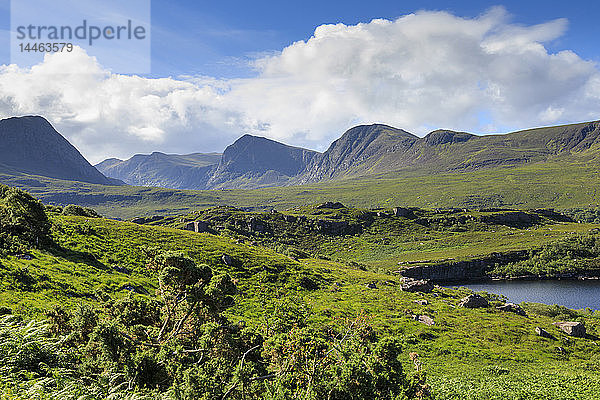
column 253, row 161
column 30, row 145
column 190, row 171
column 375, row 149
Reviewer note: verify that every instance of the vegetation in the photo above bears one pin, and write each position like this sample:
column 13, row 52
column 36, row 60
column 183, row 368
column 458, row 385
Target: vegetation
column 110, row 309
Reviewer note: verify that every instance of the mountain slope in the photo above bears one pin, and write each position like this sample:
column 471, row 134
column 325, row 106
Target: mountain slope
column 376, row 149
column 253, row 161
column 190, row 171
column 31, row 145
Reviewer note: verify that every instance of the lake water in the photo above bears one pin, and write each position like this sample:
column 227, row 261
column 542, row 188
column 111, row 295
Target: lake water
column 573, row 294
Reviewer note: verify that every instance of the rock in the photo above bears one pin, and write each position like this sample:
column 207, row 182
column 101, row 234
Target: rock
column 424, row 319
column 330, row 205
column 576, row 329
column 421, row 302
column 372, row 285
column 256, row 225
column 382, row 214
column 512, row 307
column 227, row 260
column 473, row 301
column 25, row 256
column 333, row 227
column 543, row 333
column 417, row 285
column 196, row 226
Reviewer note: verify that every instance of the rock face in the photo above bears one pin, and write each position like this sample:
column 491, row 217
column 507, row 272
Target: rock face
column 512, row 307
column 31, row 145
column 417, row 285
column 462, row 270
column 403, row 212
column 543, row 333
column 258, row 225
column 335, row 228
column 473, row 301
column 196, row 226
column 576, row 329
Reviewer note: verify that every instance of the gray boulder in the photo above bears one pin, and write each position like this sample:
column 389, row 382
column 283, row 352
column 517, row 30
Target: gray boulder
column 576, row 329
column 417, row 285
column 512, row 307
column 473, row 301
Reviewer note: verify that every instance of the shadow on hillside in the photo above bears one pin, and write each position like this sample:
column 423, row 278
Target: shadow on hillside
column 76, row 256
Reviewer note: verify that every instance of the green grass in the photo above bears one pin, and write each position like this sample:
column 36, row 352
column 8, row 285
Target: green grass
column 467, row 354
column 567, row 183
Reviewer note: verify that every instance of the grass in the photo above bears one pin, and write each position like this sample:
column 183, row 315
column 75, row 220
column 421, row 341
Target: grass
column 467, row 354
column 566, row 183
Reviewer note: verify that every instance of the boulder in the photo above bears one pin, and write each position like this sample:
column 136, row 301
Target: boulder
column 331, row 205
column 424, row 319
column 417, row 285
column 371, row 285
column 512, row 307
column 473, row 301
column 421, row 302
column 196, row 226
column 543, row 333
column 576, row 329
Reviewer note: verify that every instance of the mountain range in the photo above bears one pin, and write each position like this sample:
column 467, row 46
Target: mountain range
column 253, row 162
column 30, row 145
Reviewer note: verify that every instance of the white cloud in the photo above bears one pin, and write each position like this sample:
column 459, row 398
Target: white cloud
column 422, row 71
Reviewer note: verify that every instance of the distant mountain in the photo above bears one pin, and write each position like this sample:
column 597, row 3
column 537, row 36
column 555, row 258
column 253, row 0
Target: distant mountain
column 190, row 171
column 253, row 161
column 30, row 145
column 375, row 149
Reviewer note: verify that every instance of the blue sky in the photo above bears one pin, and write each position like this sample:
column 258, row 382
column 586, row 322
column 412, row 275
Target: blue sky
column 221, row 69
column 217, row 38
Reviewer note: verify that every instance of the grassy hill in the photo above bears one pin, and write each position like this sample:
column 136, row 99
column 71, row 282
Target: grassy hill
column 322, row 277
column 564, row 184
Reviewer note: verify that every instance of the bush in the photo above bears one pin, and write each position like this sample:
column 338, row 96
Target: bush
column 79, row 211
column 23, row 221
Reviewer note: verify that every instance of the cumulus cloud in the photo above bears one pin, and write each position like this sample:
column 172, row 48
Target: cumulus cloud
column 419, row 72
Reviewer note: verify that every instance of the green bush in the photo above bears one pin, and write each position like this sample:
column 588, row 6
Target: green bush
column 79, row 211
column 23, row 221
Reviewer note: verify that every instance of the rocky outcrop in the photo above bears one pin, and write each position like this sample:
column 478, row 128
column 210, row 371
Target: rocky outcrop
column 543, row 333
column 473, row 301
column 424, row 319
column 403, row 212
column 513, row 308
column 196, row 226
column 258, row 225
column 416, row 285
column 576, row 329
column 462, row 270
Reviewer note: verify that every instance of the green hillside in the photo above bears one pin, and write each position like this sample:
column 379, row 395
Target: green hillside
column 566, row 184
column 92, row 287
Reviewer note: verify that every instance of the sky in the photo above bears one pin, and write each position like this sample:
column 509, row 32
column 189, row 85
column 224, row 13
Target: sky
column 304, row 72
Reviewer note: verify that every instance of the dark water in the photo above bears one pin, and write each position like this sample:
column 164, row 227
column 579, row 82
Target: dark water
column 573, row 294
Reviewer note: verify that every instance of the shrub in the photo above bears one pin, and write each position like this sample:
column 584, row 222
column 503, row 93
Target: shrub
column 79, row 211
column 23, row 221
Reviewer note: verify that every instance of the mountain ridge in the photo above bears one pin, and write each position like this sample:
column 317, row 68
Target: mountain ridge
column 30, row 144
